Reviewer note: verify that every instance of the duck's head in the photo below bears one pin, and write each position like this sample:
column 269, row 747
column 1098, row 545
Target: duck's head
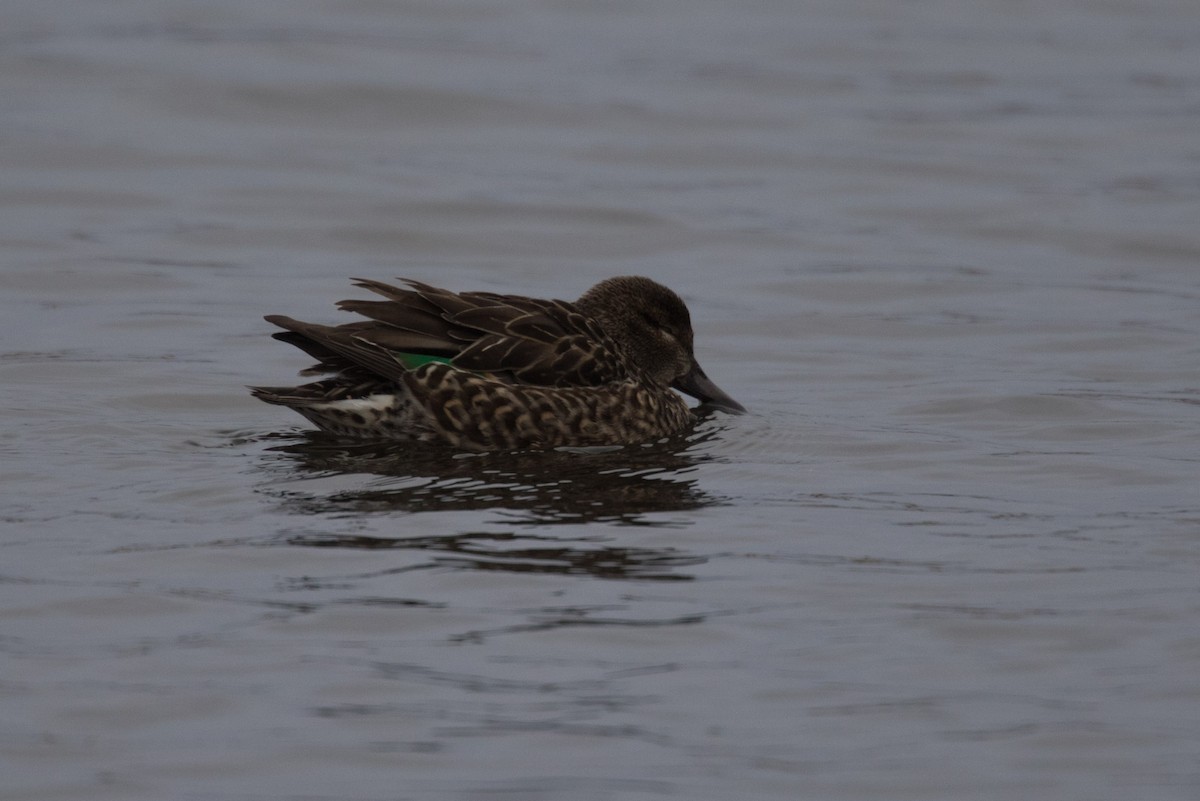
column 652, row 325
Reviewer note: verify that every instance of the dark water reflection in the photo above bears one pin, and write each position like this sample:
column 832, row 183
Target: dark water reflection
column 618, row 485
column 518, row 553
column 631, row 486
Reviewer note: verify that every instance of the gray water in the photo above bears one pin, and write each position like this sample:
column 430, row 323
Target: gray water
column 947, row 253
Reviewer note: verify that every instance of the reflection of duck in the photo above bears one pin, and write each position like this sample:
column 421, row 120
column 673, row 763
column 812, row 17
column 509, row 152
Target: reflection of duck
column 483, row 371
column 563, row 486
column 498, row 551
column 530, row 489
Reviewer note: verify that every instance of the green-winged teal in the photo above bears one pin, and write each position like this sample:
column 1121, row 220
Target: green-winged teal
column 484, row 371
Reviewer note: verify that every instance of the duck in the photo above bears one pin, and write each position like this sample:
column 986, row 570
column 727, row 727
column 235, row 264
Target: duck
column 482, row 371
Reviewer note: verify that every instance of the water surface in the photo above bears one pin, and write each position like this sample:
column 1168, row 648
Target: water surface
column 948, row 256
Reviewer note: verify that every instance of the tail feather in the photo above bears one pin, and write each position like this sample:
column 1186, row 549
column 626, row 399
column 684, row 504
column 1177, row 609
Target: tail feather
column 281, row 396
column 342, row 342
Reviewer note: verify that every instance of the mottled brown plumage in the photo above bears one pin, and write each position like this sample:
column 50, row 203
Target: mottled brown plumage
column 484, row 371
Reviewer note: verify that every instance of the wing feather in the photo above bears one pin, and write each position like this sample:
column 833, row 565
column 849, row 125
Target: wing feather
column 524, row 340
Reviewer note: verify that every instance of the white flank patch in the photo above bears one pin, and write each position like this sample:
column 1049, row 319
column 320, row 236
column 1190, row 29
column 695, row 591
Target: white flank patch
column 371, row 403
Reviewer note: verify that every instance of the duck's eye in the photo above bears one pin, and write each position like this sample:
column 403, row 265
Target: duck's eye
column 658, row 326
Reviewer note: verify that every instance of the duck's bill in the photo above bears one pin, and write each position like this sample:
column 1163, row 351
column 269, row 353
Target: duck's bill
column 698, row 385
